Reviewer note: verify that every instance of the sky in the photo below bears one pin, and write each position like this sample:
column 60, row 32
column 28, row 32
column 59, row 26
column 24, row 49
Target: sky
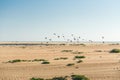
column 33, row 20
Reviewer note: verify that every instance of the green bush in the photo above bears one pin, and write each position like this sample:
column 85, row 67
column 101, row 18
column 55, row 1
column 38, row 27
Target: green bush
column 70, row 64
column 24, row 60
column 45, row 62
column 79, row 61
column 14, row 61
column 39, row 60
column 115, row 51
column 59, row 78
column 79, row 77
column 79, row 57
column 36, row 78
column 72, row 77
column 18, row 60
column 63, row 58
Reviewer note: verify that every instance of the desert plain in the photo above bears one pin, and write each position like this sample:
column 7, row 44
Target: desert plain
column 98, row 64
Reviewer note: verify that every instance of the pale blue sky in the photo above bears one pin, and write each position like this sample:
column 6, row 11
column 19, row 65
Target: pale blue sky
column 32, row 20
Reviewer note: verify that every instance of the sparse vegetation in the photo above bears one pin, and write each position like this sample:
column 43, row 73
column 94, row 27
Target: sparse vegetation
column 115, row 51
column 66, row 50
column 79, row 77
column 115, row 44
column 62, row 44
column 18, row 60
column 79, row 57
column 64, row 58
column 73, row 77
column 14, row 61
column 56, row 58
column 23, row 47
column 61, row 58
column 36, row 78
column 26, row 60
column 79, row 61
column 45, row 62
column 70, row 64
column 77, row 44
column 39, row 60
column 59, row 78
column 83, row 44
column 35, row 60
column 98, row 50
column 76, row 52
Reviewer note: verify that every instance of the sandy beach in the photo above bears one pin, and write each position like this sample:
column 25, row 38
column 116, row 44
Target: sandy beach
column 98, row 64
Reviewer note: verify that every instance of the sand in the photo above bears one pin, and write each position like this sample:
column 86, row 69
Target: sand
column 98, row 65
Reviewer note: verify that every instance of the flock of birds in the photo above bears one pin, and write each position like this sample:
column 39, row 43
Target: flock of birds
column 72, row 39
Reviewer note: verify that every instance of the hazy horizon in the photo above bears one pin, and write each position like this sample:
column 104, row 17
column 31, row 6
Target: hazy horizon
column 33, row 20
